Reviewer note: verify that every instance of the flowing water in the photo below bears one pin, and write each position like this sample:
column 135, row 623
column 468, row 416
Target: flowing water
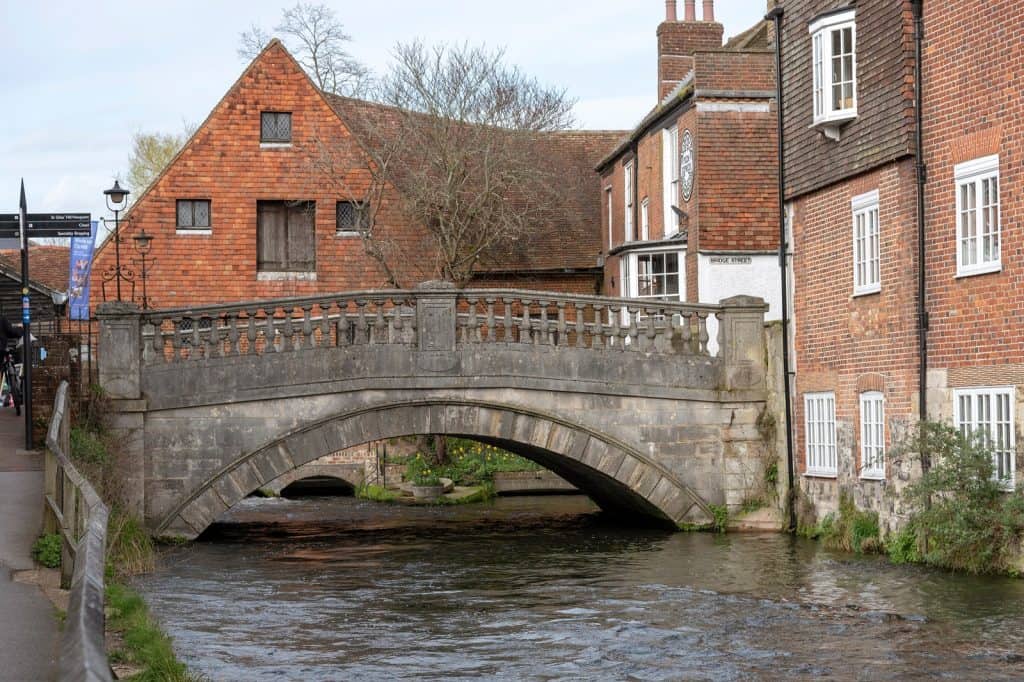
column 547, row 589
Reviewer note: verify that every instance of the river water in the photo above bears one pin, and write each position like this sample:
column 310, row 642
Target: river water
column 548, row 589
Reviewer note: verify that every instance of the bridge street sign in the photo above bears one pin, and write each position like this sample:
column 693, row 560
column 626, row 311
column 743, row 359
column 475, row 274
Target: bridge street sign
column 46, row 225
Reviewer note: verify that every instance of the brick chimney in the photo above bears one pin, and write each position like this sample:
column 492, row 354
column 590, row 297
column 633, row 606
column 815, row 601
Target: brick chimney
column 678, row 40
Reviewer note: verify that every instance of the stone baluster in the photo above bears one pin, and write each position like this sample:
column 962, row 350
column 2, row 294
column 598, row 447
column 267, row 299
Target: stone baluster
column 149, row 332
column 251, row 334
column 379, row 332
column 614, row 329
column 652, row 332
column 561, row 331
column 471, row 333
column 343, row 324
column 269, row 333
column 289, row 330
column 597, row 336
column 361, row 325
column 581, row 325
column 197, row 340
column 524, row 322
column 702, row 333
column 543, row 336
column 307, row 340
column 507, row 318
column 324, row 308
column 633, row 331
column 491, row 335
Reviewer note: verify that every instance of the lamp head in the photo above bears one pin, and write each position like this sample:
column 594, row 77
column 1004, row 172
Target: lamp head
column 116, row 194
column 143, row 242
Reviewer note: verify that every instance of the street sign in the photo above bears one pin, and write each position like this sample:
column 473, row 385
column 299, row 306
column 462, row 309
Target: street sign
column 46, row 225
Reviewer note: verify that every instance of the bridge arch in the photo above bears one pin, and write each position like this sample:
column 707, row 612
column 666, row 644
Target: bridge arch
column 615, row 475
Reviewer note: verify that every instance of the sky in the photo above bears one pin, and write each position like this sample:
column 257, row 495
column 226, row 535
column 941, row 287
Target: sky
column 79, row 79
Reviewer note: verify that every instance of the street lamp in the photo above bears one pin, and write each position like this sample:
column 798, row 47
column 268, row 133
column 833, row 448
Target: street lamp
column 117, row 200
column 143, row 245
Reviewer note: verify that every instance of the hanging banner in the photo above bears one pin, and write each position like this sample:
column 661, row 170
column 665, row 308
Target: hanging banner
column 80, row 264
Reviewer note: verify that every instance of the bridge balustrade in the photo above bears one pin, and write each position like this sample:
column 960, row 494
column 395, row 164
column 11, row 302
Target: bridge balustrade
column 489, row 316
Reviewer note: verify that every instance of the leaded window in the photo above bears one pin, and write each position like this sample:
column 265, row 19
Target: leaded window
column 350, row 216
column 275, row 126
column 193, row 214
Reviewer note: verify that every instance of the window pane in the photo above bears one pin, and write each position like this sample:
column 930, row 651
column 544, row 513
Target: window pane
column 275, row 126
column 201, row 213
column 184, row 214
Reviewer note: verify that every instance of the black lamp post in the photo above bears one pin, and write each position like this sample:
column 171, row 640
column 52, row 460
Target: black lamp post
column 143, row 245
column 117, row 200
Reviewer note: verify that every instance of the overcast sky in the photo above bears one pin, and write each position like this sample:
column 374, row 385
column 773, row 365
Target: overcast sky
column 79, row 78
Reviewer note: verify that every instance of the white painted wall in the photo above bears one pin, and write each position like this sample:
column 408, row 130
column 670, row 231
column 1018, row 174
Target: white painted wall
column 717, row 280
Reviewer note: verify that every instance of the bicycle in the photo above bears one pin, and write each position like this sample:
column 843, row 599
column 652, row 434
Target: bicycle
column 13, row 379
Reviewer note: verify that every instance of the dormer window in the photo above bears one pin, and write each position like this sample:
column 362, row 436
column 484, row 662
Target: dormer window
column 834, row 60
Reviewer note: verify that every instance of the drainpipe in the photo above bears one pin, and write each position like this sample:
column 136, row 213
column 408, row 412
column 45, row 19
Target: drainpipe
column 922, row 178
column 635, row 184
column 776, row 16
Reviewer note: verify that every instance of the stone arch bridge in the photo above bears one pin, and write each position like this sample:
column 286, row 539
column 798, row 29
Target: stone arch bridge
column 620, row 397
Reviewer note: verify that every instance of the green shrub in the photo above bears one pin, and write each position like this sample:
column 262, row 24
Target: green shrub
column 375, row 493
column 47, row 550
column 88, row 446
column 721, row 517
column 852, row 529
column 965, row 518
column 902, row 547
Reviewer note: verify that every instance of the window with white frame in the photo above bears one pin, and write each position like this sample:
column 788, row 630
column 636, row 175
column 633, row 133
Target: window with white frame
column 834, row 60
column 645, row 219
column 654, row 275
column 627, row 220
column 609, row 209
column 670, row 178
column 820, row 436
column 987, row 413
column 977, row 216
column 872, row 435
column 867, row 277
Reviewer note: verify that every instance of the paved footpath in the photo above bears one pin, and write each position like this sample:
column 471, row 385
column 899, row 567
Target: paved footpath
column 28, row 623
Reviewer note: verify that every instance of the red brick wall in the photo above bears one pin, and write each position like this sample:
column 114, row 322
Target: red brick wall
column 849, row 344
column 677, row 41
column 735, row 70
column 974, row 76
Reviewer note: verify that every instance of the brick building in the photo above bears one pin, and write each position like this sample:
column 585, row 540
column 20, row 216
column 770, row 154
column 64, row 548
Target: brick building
column 689, row 198
column 241, row 213
column 973, row 143
column 852, row 187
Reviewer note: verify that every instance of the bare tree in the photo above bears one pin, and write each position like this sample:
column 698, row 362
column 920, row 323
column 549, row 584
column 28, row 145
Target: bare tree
column 463, row 140
column 151, row 152
column 318, row 40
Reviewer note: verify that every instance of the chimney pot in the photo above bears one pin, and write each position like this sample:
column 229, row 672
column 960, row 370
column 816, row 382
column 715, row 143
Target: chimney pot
column 709, row 10
column 691, row 10
column 670, row 10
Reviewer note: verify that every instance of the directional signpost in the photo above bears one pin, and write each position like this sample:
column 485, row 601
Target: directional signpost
column 46, row 225
column 25, row 226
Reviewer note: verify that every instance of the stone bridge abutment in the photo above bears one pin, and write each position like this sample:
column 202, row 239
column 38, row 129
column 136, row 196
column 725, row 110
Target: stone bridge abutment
column 621, row 398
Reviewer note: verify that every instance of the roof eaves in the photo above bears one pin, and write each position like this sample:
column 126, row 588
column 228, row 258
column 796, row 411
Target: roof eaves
column 679, row 96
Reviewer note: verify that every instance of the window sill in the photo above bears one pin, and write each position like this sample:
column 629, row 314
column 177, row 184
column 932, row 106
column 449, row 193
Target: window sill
column 857, row 293
column 266, row 276
column 872, row 477
column 193, row 231
column 275, row 145
column 821, row 474
column 348, row 234
column 832, row 126
column 979, row 270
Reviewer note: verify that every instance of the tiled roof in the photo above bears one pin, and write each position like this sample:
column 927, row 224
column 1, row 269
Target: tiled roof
column 48, row 265
column 567, row 236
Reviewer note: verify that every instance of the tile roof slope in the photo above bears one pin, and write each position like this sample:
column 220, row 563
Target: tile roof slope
column 568, row 238
column 48, row 265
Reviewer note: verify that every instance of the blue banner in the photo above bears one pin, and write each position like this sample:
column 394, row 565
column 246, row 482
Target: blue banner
column 80, row 264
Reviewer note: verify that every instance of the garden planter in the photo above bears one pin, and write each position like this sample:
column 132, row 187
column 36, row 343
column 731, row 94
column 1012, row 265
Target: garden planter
column 427, row 492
